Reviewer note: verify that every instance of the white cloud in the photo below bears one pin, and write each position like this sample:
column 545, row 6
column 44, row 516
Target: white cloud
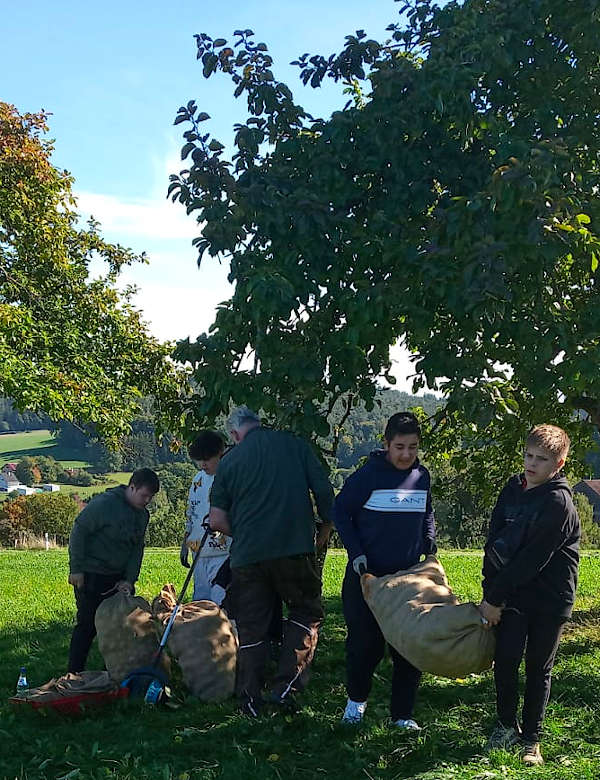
column 177, row 311
column 154, row 218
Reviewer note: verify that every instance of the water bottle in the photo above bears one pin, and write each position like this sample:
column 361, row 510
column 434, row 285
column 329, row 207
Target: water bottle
column 22, row 684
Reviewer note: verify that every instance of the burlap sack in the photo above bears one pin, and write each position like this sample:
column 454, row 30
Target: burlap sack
column 126, row 634
column 422, row 619
column 203, row 641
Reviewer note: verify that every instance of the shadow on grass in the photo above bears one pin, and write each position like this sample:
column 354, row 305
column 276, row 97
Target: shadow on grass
column 43, row 650
column 51, row 449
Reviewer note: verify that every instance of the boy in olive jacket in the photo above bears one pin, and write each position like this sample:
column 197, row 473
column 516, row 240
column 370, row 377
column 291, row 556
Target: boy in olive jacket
column 105, row 553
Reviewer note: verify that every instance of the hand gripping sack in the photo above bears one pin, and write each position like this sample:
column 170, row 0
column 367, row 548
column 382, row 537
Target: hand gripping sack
column 203, row 641
column 422, row 619
column 126, row 634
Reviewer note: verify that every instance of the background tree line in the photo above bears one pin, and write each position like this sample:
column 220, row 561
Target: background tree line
column 462, row 509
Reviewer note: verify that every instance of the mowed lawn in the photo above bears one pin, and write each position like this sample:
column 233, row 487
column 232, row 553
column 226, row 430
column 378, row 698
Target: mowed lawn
column 14, row 446
column 212, row 741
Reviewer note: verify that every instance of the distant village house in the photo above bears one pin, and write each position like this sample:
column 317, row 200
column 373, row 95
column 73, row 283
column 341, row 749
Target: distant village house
column 8, row 481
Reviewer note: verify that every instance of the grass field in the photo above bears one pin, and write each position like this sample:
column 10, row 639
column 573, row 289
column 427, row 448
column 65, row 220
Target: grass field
column 113, row 478
column 14, row 446
column 213, row 741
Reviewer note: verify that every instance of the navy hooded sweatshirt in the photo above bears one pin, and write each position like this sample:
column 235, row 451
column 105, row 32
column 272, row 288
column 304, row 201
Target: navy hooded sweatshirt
column 385, row 513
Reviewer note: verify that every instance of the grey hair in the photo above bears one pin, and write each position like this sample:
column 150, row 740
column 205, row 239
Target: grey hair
column 241, row 416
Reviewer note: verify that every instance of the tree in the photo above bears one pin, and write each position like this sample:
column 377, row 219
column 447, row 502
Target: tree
column 590, row 530
column 50, row 469
column 52, row 513
column 70, row 346
column 27, row 471
column 452, row 205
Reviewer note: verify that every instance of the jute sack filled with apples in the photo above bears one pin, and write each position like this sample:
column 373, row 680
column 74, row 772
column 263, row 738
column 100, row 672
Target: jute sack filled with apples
column 203, row 642
column 126, row 634
column 421, row 618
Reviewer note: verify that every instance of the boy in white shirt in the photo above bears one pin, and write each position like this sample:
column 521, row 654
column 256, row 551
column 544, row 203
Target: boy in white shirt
column 206, row 451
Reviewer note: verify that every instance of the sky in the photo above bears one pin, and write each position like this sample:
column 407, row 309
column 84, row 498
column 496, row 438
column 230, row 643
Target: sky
column 113, row 74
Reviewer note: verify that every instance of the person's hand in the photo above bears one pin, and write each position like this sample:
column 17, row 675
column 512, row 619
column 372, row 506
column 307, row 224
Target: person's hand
column 490, row 615
column 76, row 580
column 183, row 554
column 430, row 548
column 359, row 564
column 323, row 534
column 124, row 587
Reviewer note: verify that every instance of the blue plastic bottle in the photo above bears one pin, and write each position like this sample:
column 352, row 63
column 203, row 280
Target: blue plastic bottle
column 22, row 684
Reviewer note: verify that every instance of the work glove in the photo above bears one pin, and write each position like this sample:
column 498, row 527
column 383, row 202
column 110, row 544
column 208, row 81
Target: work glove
column 430, row 547
column 359, row 564
column 183, row 555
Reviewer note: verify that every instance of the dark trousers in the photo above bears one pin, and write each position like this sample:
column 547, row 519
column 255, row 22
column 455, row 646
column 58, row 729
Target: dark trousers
column 96, row 588
column 540, row 634
column 223, row 578
column 255, row 588
column 365, row 647
column 276, row 627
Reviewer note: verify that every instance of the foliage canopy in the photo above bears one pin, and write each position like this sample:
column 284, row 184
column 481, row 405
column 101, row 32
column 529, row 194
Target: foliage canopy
column 452, row 205
column 70, row 346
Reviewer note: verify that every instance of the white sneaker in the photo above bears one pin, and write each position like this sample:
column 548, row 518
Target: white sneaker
column 354, row 711
column 407, row 725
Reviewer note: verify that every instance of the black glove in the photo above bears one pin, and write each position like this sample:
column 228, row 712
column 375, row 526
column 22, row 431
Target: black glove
column 430, row 547
column 183, row 555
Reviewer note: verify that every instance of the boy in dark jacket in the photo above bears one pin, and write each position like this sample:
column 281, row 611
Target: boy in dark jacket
column 385, row 520
column 105, row 553
column 529, row 579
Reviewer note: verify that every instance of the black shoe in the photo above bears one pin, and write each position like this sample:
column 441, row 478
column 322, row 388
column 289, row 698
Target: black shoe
column 251, row 707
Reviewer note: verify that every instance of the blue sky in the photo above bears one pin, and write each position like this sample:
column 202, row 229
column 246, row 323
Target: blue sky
column 113, row 74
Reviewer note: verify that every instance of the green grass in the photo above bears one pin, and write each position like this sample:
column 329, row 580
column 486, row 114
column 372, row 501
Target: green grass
column 14, row 446
column 113, row 478
column 213, row 741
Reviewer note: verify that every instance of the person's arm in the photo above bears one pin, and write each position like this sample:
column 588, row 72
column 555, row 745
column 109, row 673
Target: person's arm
column 323, row 533
column 86, row 523
column 132, row 570
column 220, row 503
column 548, row 537
column 498, row 516
column 429, row 545
column 189, row 520
column 348, row 503
column 218, row 520
column 319, row 485
column 189, row 517
column 497, row 524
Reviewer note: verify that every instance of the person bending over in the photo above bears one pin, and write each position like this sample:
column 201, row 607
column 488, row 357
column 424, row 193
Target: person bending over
column 106, row 548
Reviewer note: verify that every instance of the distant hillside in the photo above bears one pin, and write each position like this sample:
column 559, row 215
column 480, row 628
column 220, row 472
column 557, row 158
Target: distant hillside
column 14, row 446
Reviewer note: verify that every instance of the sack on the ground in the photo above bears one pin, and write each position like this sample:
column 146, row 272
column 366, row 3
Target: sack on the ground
column 422, row 619
column 203, row 641
column 70, row 685
column 126, row 634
